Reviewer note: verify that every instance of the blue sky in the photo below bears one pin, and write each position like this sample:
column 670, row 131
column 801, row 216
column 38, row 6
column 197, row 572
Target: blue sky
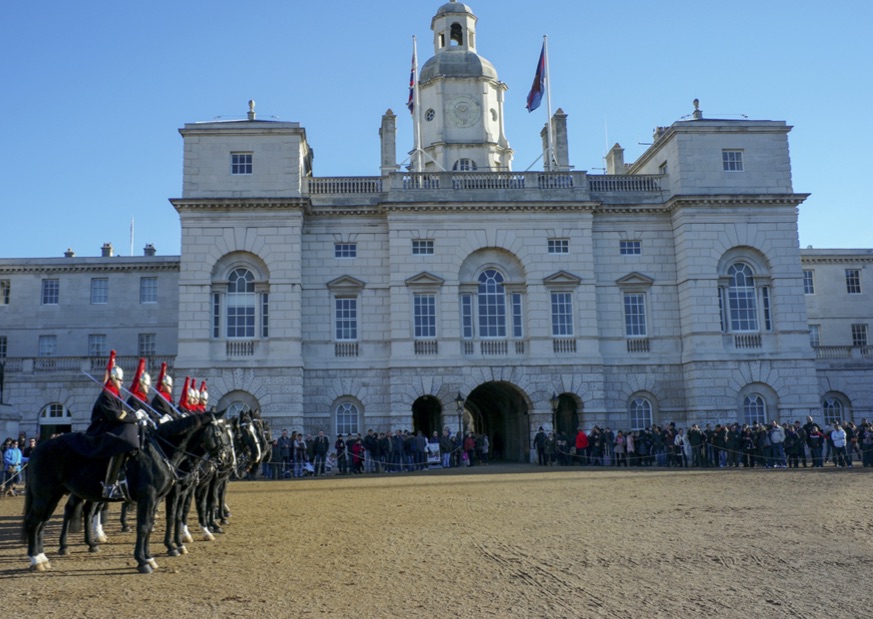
column 95, row 92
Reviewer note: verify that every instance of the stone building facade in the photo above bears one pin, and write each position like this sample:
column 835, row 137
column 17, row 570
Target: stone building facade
column 460, row 292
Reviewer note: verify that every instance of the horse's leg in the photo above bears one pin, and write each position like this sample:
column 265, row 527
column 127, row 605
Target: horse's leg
column 37, row 512
column 215, row 507
column 101, row 510
column 145, row 515
column 171, row 505
column 125, row 527
column 183, row 532
column 201, row 498
column 72, row 514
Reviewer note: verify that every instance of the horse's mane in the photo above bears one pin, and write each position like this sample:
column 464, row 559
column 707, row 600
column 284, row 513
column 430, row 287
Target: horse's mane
column 181, row 426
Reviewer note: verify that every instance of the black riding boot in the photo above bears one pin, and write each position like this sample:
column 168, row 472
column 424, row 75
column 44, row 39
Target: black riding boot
column 112, row 488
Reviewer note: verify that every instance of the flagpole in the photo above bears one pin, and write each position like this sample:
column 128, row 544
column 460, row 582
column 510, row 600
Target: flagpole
column 416, row 108
column 548, row 80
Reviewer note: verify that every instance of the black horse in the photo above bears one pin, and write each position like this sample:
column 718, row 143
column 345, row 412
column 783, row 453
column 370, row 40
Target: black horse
column 57, row 468
column 210, row 448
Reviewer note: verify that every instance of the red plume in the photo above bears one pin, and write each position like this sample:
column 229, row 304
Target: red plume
column 183, row 399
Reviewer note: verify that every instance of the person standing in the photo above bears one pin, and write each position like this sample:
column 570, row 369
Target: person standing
column 777, row 445
column 25, row 457
column 815, row 439
column 540, row 445
column 320, row 448
column 581, row 446
column 838, row 437
column 11, row 467
column 341, row 455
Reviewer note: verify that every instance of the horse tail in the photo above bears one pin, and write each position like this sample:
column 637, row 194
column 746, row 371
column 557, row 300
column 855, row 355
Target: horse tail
column 76, row 517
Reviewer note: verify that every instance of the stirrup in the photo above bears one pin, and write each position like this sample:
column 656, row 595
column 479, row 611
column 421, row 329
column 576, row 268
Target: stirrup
column 115, row 491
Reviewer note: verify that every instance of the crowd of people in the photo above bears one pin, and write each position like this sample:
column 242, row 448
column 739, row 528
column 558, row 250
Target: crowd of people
column 772, row 445
column 297, row 455
column 15, row 456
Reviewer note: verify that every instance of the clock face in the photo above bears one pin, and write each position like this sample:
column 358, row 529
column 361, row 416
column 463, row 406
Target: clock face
column 463, row 111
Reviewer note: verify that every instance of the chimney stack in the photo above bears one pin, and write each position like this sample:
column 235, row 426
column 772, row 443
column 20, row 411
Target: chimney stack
column 69, row 253
column 106, row 250
column 149, row 250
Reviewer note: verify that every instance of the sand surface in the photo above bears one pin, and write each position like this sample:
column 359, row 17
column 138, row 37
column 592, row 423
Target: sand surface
column 497, row 541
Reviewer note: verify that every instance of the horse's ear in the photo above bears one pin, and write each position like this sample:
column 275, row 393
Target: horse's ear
column 219, row 414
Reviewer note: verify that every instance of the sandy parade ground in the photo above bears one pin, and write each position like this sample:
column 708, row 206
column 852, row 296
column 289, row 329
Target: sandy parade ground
column 497, row 541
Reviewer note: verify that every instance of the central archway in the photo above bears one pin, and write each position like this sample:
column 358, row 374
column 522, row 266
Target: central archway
column 500, row 410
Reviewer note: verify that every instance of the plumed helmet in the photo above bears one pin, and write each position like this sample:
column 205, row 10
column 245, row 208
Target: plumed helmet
column 146, row 381
column 167, row 381
column 204, row 395
column 116, row 373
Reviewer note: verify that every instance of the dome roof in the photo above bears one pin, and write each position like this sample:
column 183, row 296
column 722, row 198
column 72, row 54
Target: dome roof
column 453, row 7
column 457, row 63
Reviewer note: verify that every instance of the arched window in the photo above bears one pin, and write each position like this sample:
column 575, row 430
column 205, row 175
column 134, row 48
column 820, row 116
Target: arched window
column 492, row 304
column 640, row 414
column 742, row 306
column 457, row 34
column 744, row 294
column 347, row 419
column 465, row 165
column 832, row 408
column 241, row 303
column 754, row 409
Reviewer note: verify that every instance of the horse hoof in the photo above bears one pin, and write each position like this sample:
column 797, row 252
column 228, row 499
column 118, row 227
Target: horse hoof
column 125, row 528
column 188, row 538
column 102, row 539
column 93, row 548
column 223, row 521
column 151, row 561
column 173, row 553
column 144, row 568
column 63, row 552
column 183, row 550
column 218, row 530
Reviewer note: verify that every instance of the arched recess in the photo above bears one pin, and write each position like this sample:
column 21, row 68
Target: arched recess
column 757, row 402
column 426, row 415
column 500, row 410
column 54, row 418
column 236, row 402
column 836, row 406
column 567, row 417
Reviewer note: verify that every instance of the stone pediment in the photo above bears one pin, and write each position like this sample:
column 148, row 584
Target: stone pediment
column 562, row 278
column 425, row 279
column 345, row 282
column 635, row 279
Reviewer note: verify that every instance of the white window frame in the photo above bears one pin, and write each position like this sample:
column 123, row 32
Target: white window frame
column 346, row 316
column 422, row 247
column 241, row 164
column 148, row 290
column 5, row 291
column 99, row 290
column 97, row 345
column 345, row 251
column 815, row 335
column 48, row 346
column 732, row 160
column 754, row 408
column 808, row 281
column 640, row 413
column 853, row 281
column 147, row 344
column 559, row 246
column 562, row 313
column 860, row 335
column 50, row 291
column 347, row 418
column 630, row 247
column 424, row 315
column 635, row 314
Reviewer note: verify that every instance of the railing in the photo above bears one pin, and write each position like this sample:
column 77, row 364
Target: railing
column 479, row 181
column 12, row 364
column 638, row 345
column 493, row 348
column 345, row 349
column 427, row 347
column 624, row 183
column 843, row 352
column 344, row 185
column 57, row 364
column 747, row 340
column 563, row 346
column 244, row 348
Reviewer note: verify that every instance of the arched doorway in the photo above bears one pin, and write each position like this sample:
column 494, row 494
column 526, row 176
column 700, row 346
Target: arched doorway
column 567, row 418
column 54, row 419
column 426, row 412
column 499, row 410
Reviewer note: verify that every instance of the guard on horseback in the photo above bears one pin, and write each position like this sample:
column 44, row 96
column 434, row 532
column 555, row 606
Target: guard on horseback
column 115, row 425
column 162, row 403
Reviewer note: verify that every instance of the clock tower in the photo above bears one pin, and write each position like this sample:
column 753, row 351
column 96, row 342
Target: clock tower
column 461, row 99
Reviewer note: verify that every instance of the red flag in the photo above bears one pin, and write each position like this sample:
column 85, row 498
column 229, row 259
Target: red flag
column 535, row 96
